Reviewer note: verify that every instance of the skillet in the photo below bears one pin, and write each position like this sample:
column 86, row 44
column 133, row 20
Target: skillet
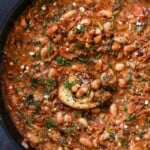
column 5, row 119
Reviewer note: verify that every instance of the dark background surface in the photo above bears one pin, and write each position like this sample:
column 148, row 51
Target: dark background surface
column 5, row 7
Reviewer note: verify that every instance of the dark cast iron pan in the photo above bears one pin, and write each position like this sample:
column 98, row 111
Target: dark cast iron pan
column 6, row 121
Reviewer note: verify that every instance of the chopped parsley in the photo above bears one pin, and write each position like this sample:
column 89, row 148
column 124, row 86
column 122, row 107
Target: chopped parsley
column 29, row 99
column 51, row 83
column 62, row 61
column 129, row 77
column 29, row 25
column 23, row 117
column 50, row 123
column 123, row 142
column 36, row 43
column 80, row 29
column 69, row 85
column 130, row 117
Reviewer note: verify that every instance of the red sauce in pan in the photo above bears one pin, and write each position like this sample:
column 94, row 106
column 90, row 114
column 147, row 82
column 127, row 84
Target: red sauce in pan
column 77, row 75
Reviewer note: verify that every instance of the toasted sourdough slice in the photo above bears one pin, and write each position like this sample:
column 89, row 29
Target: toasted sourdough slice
column 65, row 95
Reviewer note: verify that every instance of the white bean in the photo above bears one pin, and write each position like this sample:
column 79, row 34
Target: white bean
column 129, row 48
column 96, row 84
column 113, row 109
column 116, row 46
column 85, row 21
column 86, row 142
column 122, row 82
column 68, row 14
column 105, row 13
column 44, row 52
column 119, row 66
column 83, row 122
column 59, row 118
column 95, row 110
column 121, row 39
column 52, row 73
column 32, row 138
column 82, row 91
column 75, row 88
column 68, row 118
column 51, row 29
column 97, row 39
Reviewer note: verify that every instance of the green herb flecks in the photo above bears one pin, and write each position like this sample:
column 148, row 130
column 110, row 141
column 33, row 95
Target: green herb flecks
column 115, row 14
column 123, row 142
column 139, row 27
column 50, row 123
column 50, row 21
column 29, row 25
column 111, row 41
column 129, row 77
column 51, row 83
column 62, row 61
column 37, row 82
column 36, row 43
column 100, row 26
column 23, row 117
column 80, row 29
column 130, row 117
column 69, row 84
column 29, row 99
column 70, row 130
column 37, row 55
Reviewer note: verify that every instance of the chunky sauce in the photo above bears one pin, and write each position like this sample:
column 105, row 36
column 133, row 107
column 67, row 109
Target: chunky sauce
column 77, row 75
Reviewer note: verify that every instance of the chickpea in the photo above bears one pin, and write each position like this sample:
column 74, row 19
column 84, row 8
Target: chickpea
column 52, row 73
column 119, row 66
column 96, row 84
column 75, row 88
column 83, row 122
column 82, row 91
column 113, row 109
column 86, row 142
